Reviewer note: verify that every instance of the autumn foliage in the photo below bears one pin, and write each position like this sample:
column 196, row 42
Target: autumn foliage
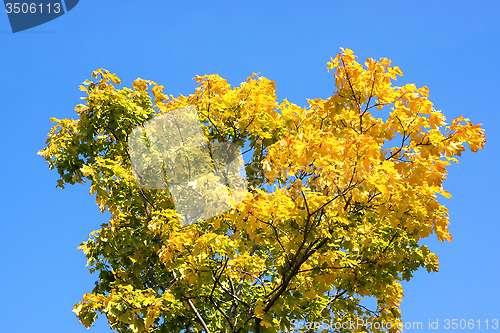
column 355, row 180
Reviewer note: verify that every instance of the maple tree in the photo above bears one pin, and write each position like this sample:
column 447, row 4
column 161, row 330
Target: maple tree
column 353, row 194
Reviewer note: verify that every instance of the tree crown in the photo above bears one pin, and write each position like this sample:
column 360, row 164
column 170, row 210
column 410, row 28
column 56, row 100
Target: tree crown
column 352, row 195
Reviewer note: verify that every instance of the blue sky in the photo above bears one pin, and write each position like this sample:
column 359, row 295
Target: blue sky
column 451, row 47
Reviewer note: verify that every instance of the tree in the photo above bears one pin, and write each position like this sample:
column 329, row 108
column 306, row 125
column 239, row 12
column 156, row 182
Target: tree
column 352, row 196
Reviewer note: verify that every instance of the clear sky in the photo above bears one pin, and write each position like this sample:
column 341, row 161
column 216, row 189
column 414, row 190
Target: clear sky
column 450, row 46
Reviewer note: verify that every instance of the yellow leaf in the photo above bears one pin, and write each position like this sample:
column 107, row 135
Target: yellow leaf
column 86, row 170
